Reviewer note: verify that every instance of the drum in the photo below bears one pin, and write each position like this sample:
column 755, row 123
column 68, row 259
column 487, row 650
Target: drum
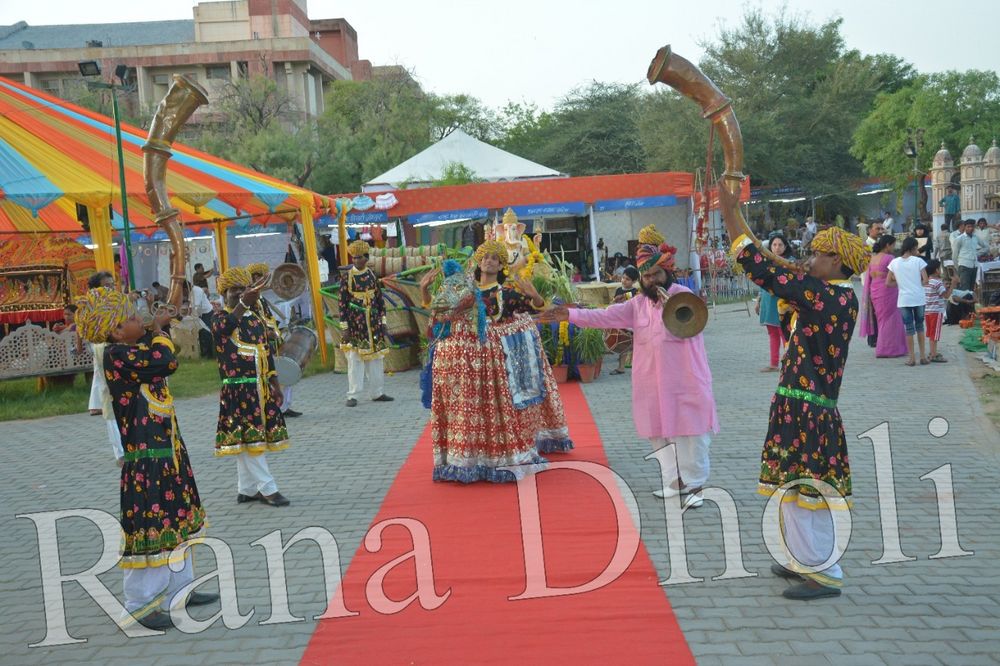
column 295, row 353
column 618, row 340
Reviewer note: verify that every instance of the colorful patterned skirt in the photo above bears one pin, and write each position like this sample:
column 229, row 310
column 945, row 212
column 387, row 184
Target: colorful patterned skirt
column 475, row 427
column 243, row 426
column 806, row 441
column 160, row 506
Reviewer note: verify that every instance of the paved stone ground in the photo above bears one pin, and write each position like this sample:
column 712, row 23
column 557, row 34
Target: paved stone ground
column 925, row 611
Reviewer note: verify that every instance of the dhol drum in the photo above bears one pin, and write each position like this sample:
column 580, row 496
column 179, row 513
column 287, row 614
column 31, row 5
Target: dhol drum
column 618, row 340
column 294, row 355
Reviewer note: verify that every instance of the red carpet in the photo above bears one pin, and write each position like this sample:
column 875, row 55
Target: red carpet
column 477, row 554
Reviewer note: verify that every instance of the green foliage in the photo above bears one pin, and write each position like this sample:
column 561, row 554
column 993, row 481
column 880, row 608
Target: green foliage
column 950, row 107
column 592, row 130
column 588, row 345
column 254, row 124
column 456, row 173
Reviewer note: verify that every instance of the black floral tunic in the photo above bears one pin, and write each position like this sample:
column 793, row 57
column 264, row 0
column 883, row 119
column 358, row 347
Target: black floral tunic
column 160, row 506
column 805, row 436
column 362, row 314
column 265, row 312
column 502, row 303
column 249, row 418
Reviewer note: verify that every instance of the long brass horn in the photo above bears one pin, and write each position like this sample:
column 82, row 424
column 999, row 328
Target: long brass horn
column 678, row 73
column 181, row 100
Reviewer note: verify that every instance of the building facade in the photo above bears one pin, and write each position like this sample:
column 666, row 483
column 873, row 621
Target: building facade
column 978, row 178
column 223, row 42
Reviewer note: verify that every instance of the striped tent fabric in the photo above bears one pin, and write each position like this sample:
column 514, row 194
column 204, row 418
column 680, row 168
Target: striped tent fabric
column 55, row 155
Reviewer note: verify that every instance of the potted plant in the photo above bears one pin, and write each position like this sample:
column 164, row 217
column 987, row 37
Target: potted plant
column 554, row 353
column 588, row 349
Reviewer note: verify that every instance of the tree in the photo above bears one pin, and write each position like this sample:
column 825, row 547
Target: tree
column 451, row 112
column 592, row 130
column 255, row 123
column 798, row 93
column 368, row 127
column 950, row 107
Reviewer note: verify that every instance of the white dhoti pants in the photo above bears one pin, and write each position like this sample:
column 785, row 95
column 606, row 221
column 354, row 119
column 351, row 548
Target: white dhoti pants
column 811, row 537
column 286, row 394
column 115, row 437
column 691, row 465
column 364, row 373
column 253, row 475
column 143, row 587
column 95, row 390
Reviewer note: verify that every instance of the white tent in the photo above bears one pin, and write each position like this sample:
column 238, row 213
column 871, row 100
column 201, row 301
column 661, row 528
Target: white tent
column 485, row 161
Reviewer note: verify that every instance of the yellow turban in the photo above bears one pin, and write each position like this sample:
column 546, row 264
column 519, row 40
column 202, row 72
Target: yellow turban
column 101, row 311
column 491, row 247
column 849, row 247
column 358, row 248
column 258, row 269
column 648, row 235
column 234, row 277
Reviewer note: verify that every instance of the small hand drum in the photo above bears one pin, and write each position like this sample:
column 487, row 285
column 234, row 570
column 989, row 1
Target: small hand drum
column 618, row 340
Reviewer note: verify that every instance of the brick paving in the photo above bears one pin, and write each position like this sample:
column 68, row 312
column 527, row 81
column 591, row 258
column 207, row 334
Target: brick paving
column 342, row 462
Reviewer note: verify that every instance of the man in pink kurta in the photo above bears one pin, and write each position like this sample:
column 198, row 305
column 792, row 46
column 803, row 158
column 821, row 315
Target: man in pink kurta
column 672, row 398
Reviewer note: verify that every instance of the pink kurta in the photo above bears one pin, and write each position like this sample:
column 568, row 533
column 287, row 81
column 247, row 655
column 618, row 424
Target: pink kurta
column 671, row 381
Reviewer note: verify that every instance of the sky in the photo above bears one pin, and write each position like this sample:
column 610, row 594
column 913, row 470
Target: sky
column 537, row 51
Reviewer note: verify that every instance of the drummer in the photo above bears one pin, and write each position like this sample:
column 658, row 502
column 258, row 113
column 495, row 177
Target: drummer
column 258, row 272
column 623, row 293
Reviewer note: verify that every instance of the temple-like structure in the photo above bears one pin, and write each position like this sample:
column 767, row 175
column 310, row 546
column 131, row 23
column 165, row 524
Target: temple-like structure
column 978, row 178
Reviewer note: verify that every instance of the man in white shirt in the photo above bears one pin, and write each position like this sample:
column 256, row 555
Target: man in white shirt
column 201, row 307
column 985, row 235
column 874, row 231
column 888, row 224
column 965, row 250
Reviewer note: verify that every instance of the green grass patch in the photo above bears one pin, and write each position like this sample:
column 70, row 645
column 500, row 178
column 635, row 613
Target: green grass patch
column 23, row 399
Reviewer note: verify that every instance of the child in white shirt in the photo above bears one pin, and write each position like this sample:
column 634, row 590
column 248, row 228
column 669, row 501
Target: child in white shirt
column 908, row 272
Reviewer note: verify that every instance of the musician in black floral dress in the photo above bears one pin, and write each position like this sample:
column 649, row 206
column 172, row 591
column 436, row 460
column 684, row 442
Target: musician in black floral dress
column 805, row 437
column 160, row 506
column 250, row 420
column 362, row 323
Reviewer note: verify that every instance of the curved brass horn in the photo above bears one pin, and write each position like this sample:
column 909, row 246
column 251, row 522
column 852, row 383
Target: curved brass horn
column 678, row 73
column 183, row 97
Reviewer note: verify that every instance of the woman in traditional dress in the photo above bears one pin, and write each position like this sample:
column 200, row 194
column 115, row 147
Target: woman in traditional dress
column 891, row 342
column 160, row 506
column 494, row 400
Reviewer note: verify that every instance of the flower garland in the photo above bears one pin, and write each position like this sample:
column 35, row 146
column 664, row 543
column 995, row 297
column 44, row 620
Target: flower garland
column 563, row 342
column 533, row 256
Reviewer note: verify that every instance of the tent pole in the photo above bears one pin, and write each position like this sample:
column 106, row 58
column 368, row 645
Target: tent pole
column 312, row 266
column 221, row 246
column 100, row 233
column 593, row 244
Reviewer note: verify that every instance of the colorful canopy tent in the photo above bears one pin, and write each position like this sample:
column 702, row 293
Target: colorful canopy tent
column 56, row 158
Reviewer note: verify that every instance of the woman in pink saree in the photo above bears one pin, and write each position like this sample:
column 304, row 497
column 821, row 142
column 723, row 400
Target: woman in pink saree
column 879, row 310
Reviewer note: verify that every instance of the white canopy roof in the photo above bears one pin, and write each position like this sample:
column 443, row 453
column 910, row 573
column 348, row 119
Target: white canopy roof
column 485, row 161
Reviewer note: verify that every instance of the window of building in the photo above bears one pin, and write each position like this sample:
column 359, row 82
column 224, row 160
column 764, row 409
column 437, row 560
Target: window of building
column 218, row 72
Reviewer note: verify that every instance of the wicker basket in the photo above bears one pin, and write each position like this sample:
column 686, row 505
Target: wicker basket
column 399, row 358
column 595, row 294
column 422, row 318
